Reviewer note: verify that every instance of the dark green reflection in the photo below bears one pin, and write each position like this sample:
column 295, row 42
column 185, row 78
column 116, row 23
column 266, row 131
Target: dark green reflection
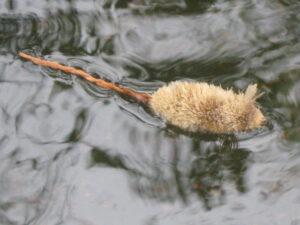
column 213, row 164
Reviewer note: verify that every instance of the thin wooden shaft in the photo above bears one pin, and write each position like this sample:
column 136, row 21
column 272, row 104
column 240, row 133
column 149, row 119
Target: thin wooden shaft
column 140, row 97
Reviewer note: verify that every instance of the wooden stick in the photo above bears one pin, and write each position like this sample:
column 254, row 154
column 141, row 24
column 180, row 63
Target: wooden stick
column 137, row 96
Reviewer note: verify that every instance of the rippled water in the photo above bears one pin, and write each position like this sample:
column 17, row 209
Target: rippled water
column 72, row 153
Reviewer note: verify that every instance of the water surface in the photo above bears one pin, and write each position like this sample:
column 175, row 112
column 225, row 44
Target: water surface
column 72, row 153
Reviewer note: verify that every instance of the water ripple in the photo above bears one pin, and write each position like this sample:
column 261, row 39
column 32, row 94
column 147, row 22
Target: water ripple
column 82, row 154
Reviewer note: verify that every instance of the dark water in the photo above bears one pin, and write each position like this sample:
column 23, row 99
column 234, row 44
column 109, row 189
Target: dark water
column 71, row 153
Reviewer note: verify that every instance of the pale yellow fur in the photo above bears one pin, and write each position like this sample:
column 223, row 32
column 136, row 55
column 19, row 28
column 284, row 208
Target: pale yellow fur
column 202, row 107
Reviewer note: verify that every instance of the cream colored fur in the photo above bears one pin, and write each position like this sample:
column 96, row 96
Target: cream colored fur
column 201, row 107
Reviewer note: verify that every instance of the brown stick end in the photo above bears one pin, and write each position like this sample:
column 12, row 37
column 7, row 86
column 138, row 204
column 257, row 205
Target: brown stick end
column 23, row 55
column 143, row 98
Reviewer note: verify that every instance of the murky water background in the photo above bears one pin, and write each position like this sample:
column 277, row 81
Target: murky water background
column 72, row 153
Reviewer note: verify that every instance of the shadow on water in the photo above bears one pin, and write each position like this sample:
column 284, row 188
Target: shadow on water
column 214, row 161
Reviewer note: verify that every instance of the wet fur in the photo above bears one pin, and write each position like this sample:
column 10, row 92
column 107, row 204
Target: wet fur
column 201, row 107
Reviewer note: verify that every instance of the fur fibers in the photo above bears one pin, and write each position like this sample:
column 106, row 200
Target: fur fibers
column 202, row 107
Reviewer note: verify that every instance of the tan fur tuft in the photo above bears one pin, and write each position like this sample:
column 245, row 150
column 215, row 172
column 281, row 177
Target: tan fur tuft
column 201, row 107
column 250, row 92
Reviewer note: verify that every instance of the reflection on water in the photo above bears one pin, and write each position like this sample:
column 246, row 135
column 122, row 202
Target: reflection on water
column 72, row 153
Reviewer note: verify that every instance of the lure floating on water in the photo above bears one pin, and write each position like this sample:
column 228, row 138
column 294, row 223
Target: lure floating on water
column 207, row 108
column 191, row 106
